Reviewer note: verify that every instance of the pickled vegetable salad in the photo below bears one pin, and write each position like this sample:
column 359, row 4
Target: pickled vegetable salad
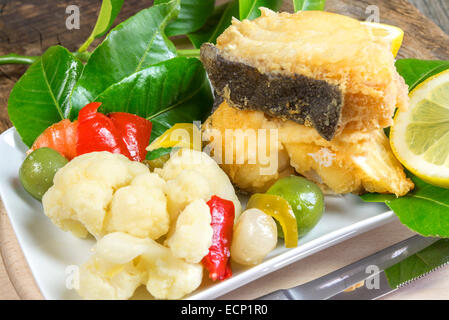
column 171, row 223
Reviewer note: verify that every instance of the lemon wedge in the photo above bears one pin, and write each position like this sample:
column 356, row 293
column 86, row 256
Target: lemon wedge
column 392, row 34
column 419, row 136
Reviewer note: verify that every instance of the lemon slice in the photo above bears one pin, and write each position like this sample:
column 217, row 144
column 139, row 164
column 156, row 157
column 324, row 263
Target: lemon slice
column 392, row 34
column 420, row 135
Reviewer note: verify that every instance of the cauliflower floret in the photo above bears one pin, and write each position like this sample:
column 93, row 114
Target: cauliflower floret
column 100, row 279
column 149, row 181
column 111, row 273
column 188, row 186
column 140, row 209
column 85, row 202
column 192, row 237
column 103, row 167
column 218, row 182
column 101, row 192
column 173, row 278
column 119, row 256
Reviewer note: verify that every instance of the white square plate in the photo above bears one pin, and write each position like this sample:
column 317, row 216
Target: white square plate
column 50, row 251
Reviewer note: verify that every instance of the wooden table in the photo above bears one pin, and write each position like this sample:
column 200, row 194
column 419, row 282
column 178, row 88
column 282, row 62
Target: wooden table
column 29, row 27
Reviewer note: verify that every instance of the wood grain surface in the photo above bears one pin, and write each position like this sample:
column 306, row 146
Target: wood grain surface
column 29, row 27
column 436, row 10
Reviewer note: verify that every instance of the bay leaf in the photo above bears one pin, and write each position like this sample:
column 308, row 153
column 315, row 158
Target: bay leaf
column 192, row 16
column 419, row 264
column 217, row 23
column 41, row 97
column 249, row 9
column 424, row 210
column 108, row 12
column 169, row 92
column 414, row 71
column 303, row 5
column 130, row 47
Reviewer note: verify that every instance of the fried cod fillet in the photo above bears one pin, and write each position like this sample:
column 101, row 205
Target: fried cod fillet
column 354, row 162
column 316, row 68
column 298, row 98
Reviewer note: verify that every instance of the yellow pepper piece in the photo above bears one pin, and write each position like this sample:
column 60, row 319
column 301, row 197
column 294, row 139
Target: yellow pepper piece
column 278, row 208
column 181, row 135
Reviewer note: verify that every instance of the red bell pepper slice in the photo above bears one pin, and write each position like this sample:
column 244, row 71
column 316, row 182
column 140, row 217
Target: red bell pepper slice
column 97, row 132
column 217, row 261
column 118, row 132
column 135, row 132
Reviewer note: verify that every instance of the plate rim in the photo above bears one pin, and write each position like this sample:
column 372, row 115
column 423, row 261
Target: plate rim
column 18, row 239
column 299, row 253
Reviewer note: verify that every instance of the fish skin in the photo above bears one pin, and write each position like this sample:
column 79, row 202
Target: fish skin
column 304, row 100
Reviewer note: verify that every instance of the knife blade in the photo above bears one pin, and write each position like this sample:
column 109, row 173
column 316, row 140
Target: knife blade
column 370, row 270
column 367, row 292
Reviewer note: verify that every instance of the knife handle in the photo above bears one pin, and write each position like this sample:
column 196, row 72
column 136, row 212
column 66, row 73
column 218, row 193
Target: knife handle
column 339, row 280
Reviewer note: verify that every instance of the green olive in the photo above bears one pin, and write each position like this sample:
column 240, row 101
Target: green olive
column 305, row 198
column 38, row 169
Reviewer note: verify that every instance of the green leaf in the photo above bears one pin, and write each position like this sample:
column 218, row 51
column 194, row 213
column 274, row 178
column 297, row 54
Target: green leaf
column 193, row 15
column 304, row 5
column 419, row 264
column 424, row 210
column 152, row 155
column 108, row 12
column 217, row 23
column 41, row 96
column 172, row 91
column 249, row 9
column 415, row 71
column 130, row 47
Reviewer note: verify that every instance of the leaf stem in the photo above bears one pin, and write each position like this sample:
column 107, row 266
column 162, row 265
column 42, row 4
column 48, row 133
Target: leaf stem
column 13, row 58
column 86, row 44
column 189, row 53
column 83, row 56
